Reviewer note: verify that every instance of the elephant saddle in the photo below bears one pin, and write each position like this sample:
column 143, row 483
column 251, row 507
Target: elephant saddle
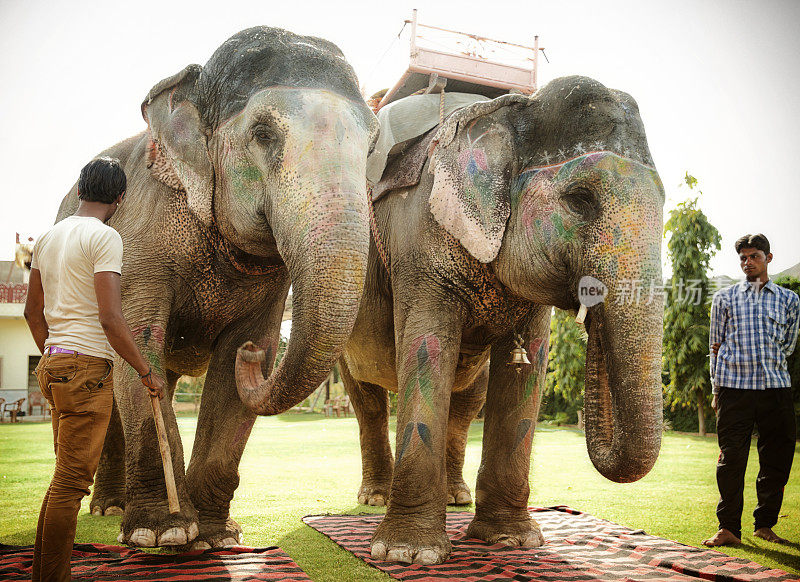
column 404, row 169
column 407, row 129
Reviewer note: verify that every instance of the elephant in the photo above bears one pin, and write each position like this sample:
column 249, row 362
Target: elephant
column 249, row 177
column 490, row 220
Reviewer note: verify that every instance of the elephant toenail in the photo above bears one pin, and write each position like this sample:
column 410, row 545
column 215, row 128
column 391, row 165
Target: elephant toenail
column 142, row 537
column 378, row 551
column 428, row 557
column 402, row 554
column 174, row 536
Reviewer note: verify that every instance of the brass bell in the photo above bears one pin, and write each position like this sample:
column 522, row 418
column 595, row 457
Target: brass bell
column 519, row 355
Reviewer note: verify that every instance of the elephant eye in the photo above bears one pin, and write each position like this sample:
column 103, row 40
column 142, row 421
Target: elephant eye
column 582, row 202
column 264, row 134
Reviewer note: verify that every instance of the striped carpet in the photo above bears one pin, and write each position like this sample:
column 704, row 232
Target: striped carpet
column 578, row 547
column 105, row 563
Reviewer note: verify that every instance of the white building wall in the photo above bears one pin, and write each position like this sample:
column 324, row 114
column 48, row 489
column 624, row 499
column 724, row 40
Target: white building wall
column 16, row 345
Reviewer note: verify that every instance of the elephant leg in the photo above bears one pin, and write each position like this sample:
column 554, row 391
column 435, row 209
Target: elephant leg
column 147, row 521
column 464, row 407
column 371, row 405
column 108, row 493
column 413, row 530
column 512, row 406
column 223, row 427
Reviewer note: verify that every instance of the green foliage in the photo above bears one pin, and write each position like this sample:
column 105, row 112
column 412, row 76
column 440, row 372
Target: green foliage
column 563, row 390
column 189, row 389
column 793, row 283
column 693, row 241
column 282, row 343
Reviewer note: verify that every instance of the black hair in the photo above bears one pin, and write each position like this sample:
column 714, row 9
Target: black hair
column 754, row 241
column 102, row 180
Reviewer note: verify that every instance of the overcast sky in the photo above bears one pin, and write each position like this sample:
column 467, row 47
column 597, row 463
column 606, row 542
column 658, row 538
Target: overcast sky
column 716, row 81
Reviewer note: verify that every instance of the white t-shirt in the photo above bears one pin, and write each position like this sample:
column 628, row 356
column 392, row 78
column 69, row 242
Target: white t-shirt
column 67, row 256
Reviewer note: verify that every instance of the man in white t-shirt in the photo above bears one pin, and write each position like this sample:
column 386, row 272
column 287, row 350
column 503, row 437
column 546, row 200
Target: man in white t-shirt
column 74, row 311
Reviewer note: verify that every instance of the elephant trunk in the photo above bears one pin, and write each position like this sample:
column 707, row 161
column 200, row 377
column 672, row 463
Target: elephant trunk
column 327, row 267
column 623, row 401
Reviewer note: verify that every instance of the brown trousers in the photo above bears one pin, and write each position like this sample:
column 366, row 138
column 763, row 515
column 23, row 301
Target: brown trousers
column 80, row 392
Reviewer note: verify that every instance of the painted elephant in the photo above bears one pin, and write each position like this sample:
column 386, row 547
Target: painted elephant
column 518, row 199
column 249, row 177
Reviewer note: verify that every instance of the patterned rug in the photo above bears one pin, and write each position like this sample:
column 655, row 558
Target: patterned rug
column 578, row 547
column 101, row 563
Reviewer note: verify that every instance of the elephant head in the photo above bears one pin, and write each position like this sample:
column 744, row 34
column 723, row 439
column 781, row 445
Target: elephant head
column 553, row 188
column 269, row 141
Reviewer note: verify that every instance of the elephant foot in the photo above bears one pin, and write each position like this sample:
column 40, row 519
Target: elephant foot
column 524, row 533
column 396, row 541
column 374, row 494
column 153, row 526
column 107, row 502
column 218, row 534
column 458, row 494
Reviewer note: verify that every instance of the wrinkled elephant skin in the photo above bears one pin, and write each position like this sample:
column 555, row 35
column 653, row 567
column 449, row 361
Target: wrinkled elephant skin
column 522, row 197
column 249, row 178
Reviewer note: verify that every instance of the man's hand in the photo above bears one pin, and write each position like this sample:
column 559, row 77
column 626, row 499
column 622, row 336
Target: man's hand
column 715, row 402
column 715, row 348
column 154, row 384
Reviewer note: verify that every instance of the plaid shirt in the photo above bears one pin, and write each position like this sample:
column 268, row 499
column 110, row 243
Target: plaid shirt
column 758, row 331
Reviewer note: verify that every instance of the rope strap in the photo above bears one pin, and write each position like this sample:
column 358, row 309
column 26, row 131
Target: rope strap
column 373, row 225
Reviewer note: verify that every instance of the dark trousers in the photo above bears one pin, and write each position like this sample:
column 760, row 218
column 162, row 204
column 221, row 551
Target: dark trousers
column 738, row 411
column 80, row 392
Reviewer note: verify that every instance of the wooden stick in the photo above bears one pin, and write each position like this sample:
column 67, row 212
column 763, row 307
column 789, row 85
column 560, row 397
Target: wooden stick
column 166, row 456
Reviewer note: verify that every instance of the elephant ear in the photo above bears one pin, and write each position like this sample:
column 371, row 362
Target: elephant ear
column 471, row 163
column 175, row 124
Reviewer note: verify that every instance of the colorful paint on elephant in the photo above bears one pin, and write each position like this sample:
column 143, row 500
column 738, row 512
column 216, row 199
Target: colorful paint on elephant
column 537, row 353
column 151, row 335
column 308, row 138
column 152, row 345
column 619, row 183
column 523, row 439
column 321, row 155
column 422, row 364
column 477, row 176
column 414, row 432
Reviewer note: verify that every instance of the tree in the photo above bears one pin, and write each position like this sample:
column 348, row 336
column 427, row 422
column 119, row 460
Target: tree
column 693, row 241
column 566, row 364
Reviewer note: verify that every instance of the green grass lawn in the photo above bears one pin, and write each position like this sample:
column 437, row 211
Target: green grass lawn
column 299, row 464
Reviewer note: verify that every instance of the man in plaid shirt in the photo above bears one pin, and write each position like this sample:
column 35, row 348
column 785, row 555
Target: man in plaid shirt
column 753, row 331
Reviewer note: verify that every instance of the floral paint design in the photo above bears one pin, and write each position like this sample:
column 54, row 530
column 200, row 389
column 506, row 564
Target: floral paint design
column 423, row 361
column 478, row 182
